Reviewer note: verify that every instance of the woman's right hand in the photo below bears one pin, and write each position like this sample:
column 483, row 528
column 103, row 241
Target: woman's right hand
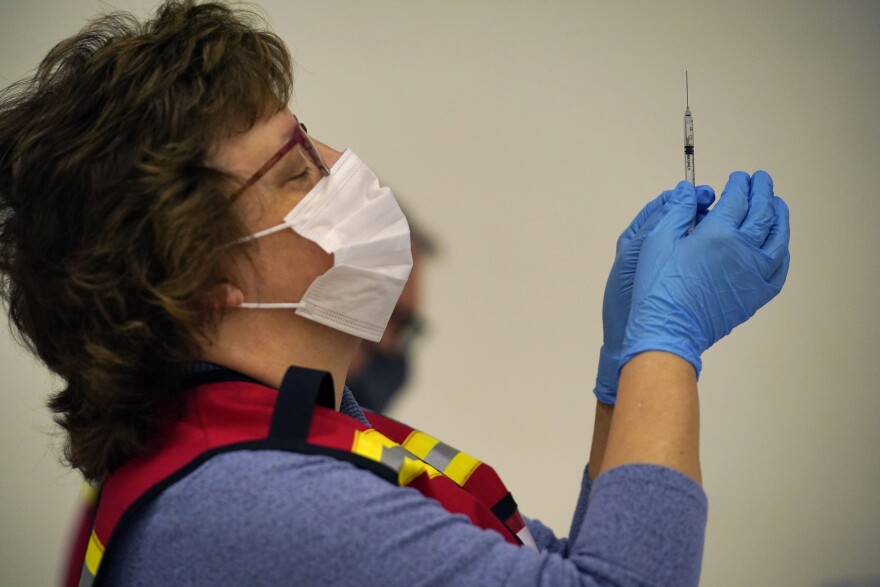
column 618, row 288
column 690, row 290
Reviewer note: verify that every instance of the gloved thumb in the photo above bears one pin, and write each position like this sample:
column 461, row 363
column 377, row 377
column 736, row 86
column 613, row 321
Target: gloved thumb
column 680, row 212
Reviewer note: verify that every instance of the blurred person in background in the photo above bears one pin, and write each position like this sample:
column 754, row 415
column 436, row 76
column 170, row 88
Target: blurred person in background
column 380, row 370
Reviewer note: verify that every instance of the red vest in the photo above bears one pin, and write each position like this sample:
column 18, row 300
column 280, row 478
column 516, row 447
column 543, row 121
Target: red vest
column 229, row 412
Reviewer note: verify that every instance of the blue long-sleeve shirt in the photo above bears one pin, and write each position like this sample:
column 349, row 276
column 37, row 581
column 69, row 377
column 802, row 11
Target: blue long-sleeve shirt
column 281, row 518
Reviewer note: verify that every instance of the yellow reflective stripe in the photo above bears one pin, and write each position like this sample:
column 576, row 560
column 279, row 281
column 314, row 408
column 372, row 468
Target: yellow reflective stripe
column 432, row 471
column 419, row 443
column 375, row 446
column 94, row 554
column 369, row 444
column 461, row 467
column 410, row 469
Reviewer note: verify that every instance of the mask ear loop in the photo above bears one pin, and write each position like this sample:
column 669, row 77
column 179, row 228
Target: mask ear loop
column 260, row 234
column 265, row 305
column 269, row 305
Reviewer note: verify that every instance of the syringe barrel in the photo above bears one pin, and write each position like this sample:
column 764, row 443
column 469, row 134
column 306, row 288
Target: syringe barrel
column 688, row 146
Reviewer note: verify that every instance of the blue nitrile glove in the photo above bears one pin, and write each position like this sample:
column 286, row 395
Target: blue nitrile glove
column 618, row 289
column 692, row 289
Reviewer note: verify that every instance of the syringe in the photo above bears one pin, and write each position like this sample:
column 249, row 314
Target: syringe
column 688, row 136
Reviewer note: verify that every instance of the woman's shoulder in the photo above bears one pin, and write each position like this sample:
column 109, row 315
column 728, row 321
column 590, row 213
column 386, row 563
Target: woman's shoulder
column 258, row 483
column 245, row 500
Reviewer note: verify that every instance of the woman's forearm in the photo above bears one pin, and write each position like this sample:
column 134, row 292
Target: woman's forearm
column 656, row 418
column 601, row 427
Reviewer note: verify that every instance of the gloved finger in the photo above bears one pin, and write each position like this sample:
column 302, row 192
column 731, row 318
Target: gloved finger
column 774, row 251
column 733, row 205
column 777, row 280
column 776, row 244
column 705, row 198
column 642, row 217
column 761, row 214
column 678, row 214
column 628, row 249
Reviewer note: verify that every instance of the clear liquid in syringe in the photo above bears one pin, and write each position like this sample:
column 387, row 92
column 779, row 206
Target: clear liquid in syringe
column 688, row 135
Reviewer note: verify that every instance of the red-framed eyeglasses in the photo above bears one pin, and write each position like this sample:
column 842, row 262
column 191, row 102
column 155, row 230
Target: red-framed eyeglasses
column 300, row 137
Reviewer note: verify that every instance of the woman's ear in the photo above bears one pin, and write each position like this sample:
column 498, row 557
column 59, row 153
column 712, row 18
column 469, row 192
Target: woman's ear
column 225, row 296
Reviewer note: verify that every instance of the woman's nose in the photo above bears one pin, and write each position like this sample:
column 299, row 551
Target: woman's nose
column 329, row 154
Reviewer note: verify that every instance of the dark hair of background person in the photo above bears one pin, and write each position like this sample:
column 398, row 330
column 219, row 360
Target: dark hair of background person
column 112, row 226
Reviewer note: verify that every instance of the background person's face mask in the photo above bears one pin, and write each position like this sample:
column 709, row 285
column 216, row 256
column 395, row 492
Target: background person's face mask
column 348, row 214
column 379, row 380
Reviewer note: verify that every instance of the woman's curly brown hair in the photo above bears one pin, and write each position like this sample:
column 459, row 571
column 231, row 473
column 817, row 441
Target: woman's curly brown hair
column 112, row 225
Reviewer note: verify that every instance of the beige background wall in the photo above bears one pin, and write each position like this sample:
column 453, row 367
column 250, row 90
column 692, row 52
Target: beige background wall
column 526, row 135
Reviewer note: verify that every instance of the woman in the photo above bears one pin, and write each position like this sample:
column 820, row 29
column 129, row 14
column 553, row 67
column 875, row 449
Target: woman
column 200, row 272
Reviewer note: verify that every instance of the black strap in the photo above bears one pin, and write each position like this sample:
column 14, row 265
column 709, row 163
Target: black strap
column 300, row 390
column 505, row 507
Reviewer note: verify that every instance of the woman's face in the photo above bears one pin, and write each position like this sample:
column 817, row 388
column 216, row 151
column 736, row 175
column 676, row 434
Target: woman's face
column 282, row 265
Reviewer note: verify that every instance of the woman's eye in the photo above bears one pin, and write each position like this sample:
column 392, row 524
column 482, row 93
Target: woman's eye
column 304, row 174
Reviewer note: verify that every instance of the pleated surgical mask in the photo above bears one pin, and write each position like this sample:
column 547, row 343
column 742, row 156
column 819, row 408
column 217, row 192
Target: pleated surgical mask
column 348, row 214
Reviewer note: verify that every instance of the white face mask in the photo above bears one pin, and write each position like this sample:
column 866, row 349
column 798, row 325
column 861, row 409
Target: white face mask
column 348, row 214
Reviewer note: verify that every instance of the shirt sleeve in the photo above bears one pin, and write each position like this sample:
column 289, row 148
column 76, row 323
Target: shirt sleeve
column 276, row 518
column 546, row 539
